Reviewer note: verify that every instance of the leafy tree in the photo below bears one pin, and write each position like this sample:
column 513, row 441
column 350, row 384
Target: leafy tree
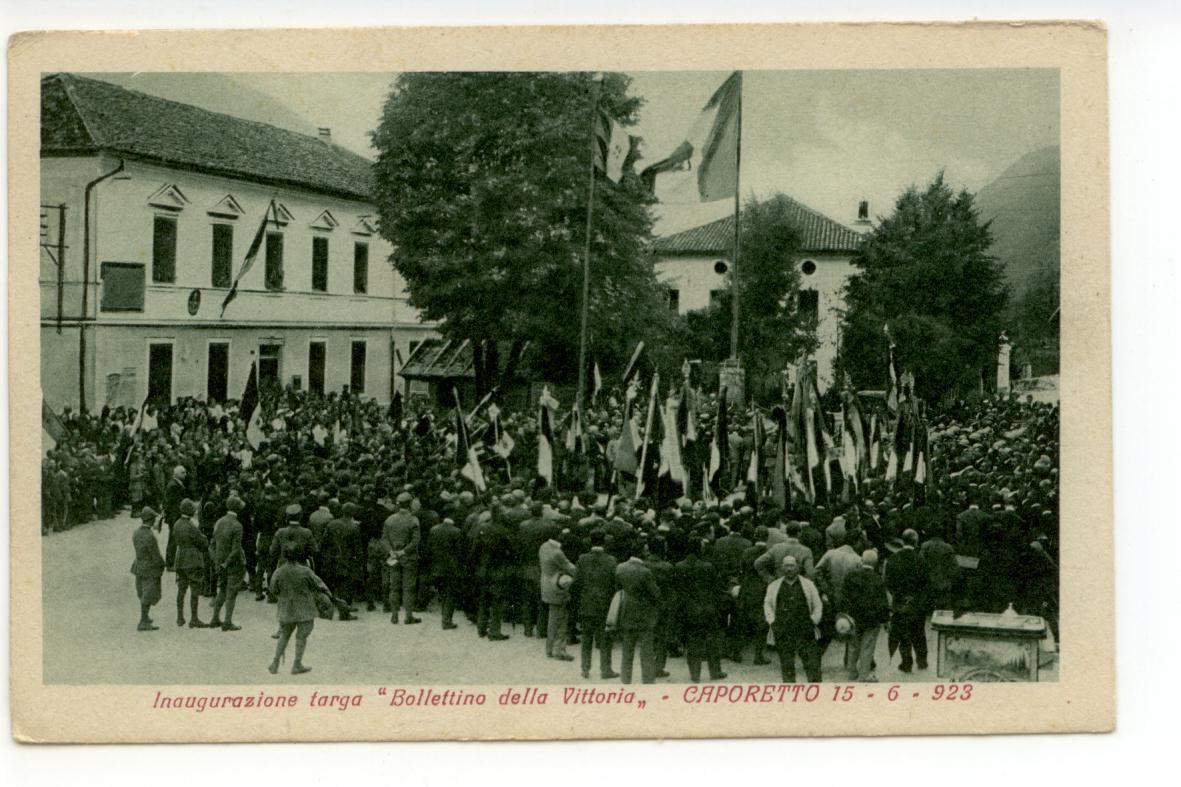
column 926, row 272
column 771, row 330
column 482, row 191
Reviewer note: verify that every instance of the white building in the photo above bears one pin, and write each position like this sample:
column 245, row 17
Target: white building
column 693, row 265
column 148, row 209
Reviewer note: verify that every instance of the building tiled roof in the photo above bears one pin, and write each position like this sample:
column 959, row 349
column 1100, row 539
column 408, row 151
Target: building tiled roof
column 438, row 359
column 81, row 115
column 817, row 233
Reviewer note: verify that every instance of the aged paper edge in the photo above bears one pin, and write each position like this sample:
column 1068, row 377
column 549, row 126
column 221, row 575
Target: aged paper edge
column 1084, row 697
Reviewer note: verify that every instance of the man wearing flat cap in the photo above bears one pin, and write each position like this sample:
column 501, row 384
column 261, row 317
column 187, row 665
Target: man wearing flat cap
column 401, row 535
column 147, row 568
column 229, row 564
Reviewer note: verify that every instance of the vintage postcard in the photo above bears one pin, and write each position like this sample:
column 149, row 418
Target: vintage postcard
column 535, row 383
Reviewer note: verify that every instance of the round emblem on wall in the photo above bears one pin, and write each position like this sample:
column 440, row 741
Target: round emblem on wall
column 194, row 301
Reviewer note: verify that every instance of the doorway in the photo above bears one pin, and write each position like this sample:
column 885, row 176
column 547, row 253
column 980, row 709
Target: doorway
column 218, row 372
column 270, row 358
column 160, row 373
column 317, row 354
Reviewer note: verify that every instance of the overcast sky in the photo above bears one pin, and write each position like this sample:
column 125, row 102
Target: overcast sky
column 826, row 138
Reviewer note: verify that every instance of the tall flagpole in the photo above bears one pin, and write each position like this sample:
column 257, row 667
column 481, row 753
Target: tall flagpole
column 590, row 202
column 734, row 263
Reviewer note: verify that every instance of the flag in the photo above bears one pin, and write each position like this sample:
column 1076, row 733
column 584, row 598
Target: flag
column 670, row 446
column 396, row 409
column 250, row 410
column 465, row 452
column 921, row 455
column 574, row 441
column 647, row 431
column 892, row 380
column 545, row 443
column 706, row 163
column 613, row 146
column 251, row 256
column 52, row 428
column 719, row 447
column 625, row 450
column 875, row 445
column 502, row 443
column 141, row 418
column 756, row 449
column 631, row 364
column 598, row 383
column 779, row 476
column 319, row 434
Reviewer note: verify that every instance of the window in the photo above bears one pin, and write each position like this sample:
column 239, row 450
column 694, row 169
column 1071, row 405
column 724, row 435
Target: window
column 674, row 300
column 123, row 287
column 317, row 360
column 809, row 267
column 809, row 306
column 274, row 273
column 160, row 373
column 361, row 267
column 715, row 297
column 164, row 250
column 223, row 255
column 270, row 358
column 320, row 264
column 357, row 375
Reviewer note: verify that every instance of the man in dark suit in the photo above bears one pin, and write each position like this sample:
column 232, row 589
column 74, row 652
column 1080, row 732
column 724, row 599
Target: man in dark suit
column 492, row 554
column 343, row 553
column 147, row 568
column 865, row 600
column 229, row 563
column 908, row 582
column 595, row 580
column 700, row 591
column 192, row 550
column 174, row 493
column 401, row 535
column 533, row 532
column 727, row 559
column 637, row 615
column 444, row 549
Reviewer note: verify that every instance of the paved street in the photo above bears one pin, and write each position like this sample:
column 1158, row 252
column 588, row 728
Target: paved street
column 90, row 638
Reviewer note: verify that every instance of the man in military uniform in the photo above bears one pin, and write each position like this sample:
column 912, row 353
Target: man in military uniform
column 192, row 550
column 147, row 568
column 229, row 564
column 174, row 493
column 401, row 536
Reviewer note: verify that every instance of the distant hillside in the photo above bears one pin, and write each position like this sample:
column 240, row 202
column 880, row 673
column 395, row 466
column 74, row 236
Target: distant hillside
column 215, row 92
column 1023, row 204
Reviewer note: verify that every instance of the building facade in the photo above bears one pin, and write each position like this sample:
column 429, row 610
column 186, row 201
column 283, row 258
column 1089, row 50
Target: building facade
column 149, row 208
column 693, row 266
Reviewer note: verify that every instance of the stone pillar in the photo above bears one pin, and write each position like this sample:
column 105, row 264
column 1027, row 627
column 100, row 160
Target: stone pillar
column 1002, row 366
column 732, row 377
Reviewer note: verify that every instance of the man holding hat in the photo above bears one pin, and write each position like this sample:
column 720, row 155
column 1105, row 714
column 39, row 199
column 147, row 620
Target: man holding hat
column 147, row 568
column 793, row 609
column 229, row 563
column 192, row 549
column 401, row 536
column 865, row 601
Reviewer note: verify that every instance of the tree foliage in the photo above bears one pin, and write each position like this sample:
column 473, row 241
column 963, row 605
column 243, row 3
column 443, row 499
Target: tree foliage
column 926, row 272
column 482, row 190
column 1036, row 339
column 771, row 330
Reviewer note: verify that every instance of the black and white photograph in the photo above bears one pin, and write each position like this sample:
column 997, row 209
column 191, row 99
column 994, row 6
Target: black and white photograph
column 596, row 387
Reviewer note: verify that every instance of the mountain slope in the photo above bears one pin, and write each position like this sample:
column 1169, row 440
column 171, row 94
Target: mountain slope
column 1024, row 207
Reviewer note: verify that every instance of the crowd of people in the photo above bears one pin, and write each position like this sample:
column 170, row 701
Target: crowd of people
column 349, row 508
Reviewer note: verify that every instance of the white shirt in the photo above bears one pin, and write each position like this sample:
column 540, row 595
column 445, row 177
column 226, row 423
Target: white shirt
column 811, row 595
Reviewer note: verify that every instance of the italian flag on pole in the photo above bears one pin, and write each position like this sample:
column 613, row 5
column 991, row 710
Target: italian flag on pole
column 705, row 166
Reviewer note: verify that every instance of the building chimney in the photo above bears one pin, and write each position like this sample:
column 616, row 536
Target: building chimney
column 325, row 135
column 862, row 223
